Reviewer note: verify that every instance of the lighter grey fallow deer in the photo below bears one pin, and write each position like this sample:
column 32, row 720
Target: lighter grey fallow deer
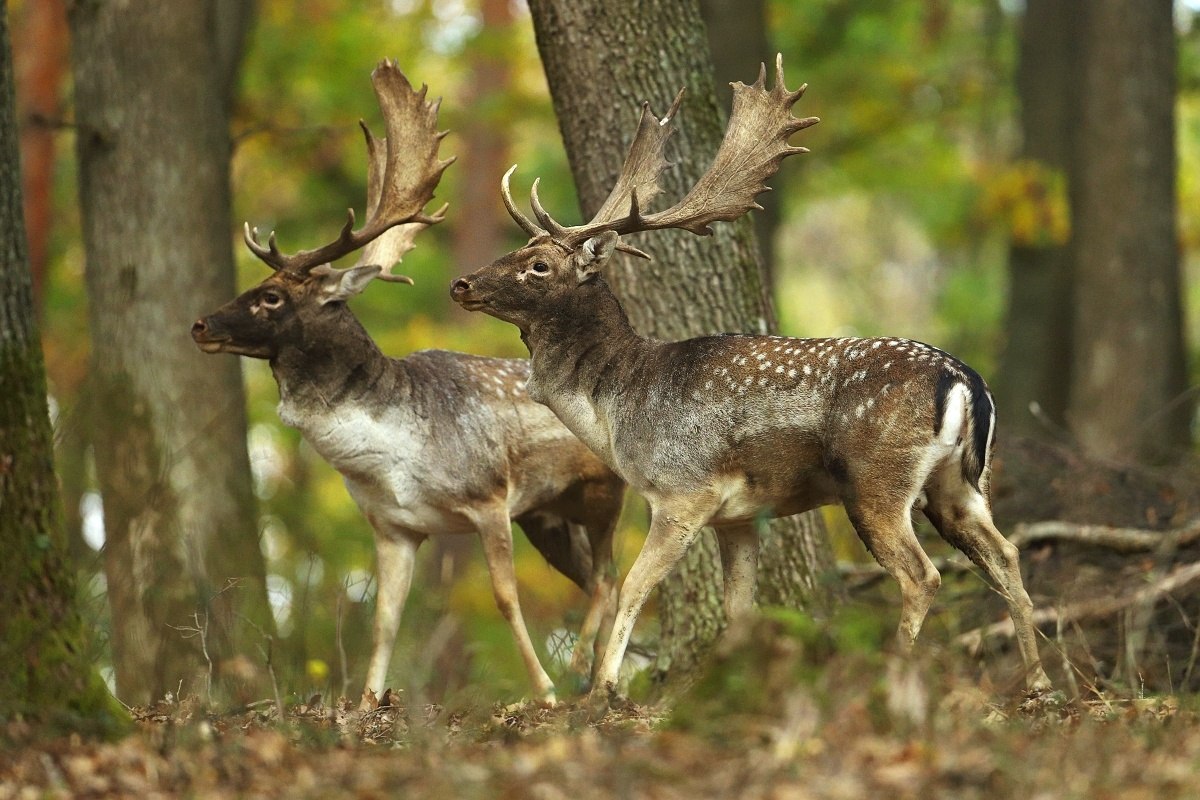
column 719, row 430
column 435, row 443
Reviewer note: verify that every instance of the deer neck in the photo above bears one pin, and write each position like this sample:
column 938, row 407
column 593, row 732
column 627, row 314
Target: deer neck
column 582, row 353
column 324, row 369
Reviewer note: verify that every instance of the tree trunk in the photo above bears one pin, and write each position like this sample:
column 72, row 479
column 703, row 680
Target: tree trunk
column 1128, row 379
column 46, row 669
column 151, row 103
column 602, row 59
column 1035, row 364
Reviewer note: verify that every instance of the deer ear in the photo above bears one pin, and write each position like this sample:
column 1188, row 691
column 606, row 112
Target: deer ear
column 342, row 284
column 591, row 255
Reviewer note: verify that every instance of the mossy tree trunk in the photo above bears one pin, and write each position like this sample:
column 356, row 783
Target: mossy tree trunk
column 153, row 84
column 46, row 671
column 602, row 59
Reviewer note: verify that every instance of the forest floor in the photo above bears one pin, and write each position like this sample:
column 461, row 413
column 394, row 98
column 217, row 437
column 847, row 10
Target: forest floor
column 787, row 707
column 785, row 711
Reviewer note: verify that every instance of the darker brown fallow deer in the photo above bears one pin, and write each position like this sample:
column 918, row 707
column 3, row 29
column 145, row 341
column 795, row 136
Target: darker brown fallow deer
column 435, row 443
column 719, row 430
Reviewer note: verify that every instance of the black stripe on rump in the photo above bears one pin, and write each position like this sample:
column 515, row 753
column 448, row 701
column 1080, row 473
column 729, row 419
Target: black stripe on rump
column 975, row 455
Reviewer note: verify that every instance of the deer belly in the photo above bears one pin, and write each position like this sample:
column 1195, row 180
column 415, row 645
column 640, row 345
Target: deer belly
column 743, row 498
column 401, row 504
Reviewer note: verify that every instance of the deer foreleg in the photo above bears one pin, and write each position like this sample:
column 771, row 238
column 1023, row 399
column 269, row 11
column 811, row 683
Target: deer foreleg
column 672, row 531
column 395, row 554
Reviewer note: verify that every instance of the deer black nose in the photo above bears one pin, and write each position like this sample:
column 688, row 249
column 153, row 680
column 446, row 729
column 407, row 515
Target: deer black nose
column 459, row 286
column 199, row 328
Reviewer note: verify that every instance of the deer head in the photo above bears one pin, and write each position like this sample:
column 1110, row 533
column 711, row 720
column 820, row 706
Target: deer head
column 558, row 259
column 305, row 294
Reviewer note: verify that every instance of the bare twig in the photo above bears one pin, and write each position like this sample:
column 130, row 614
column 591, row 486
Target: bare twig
column 266, row 653
column 271, row 671
column 199, row 630
column 1122, row 540
column 1069, row 669
column 1182, row 578
column 341, row 644
column 860, row 575
column 1191, row 664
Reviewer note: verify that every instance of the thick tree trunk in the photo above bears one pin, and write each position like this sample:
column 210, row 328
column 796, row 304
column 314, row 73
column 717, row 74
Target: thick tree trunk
column 46, row 670
column 169, row 422
column 1128, row 379
column 1035, row 365
column 602, row 59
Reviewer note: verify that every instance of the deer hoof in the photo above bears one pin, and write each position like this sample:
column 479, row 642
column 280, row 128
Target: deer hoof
column 599, row 700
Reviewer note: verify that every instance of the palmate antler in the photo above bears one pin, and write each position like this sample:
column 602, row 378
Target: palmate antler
column 755, row 143
column 403, row 171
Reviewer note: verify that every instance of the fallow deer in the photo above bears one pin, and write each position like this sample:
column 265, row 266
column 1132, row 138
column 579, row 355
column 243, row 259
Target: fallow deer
column 719, row 430
column 435, row 443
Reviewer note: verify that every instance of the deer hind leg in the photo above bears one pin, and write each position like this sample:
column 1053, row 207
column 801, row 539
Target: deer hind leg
column 961, row 515
column 395, row 554
column 496, row 535
column 885, row 527
column 589, row 648
column 673, row 528
column 739, row 567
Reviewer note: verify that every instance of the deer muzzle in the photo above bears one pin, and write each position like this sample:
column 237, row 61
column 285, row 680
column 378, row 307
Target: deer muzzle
column 463, row 293
column 205, row 339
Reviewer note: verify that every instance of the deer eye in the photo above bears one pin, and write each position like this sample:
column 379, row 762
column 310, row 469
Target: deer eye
column 271, row 299
column 540, row 268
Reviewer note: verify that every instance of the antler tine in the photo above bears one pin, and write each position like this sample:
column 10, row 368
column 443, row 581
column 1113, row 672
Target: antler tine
column 761, row 81
column 402, row 176
column 555, row 230
column 525, row 222
column 269, row 254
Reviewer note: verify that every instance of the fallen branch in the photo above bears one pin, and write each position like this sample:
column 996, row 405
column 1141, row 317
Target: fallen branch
column 1182, row 578
column 860, row 575
column 1121, row 540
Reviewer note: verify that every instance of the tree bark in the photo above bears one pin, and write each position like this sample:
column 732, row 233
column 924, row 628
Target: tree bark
column 1129, row 378
column 602, row 59
column 151, row 96
column 46, row 669
column 1036, row 361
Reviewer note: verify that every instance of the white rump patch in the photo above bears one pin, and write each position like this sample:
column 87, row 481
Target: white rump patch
column 954, row 418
